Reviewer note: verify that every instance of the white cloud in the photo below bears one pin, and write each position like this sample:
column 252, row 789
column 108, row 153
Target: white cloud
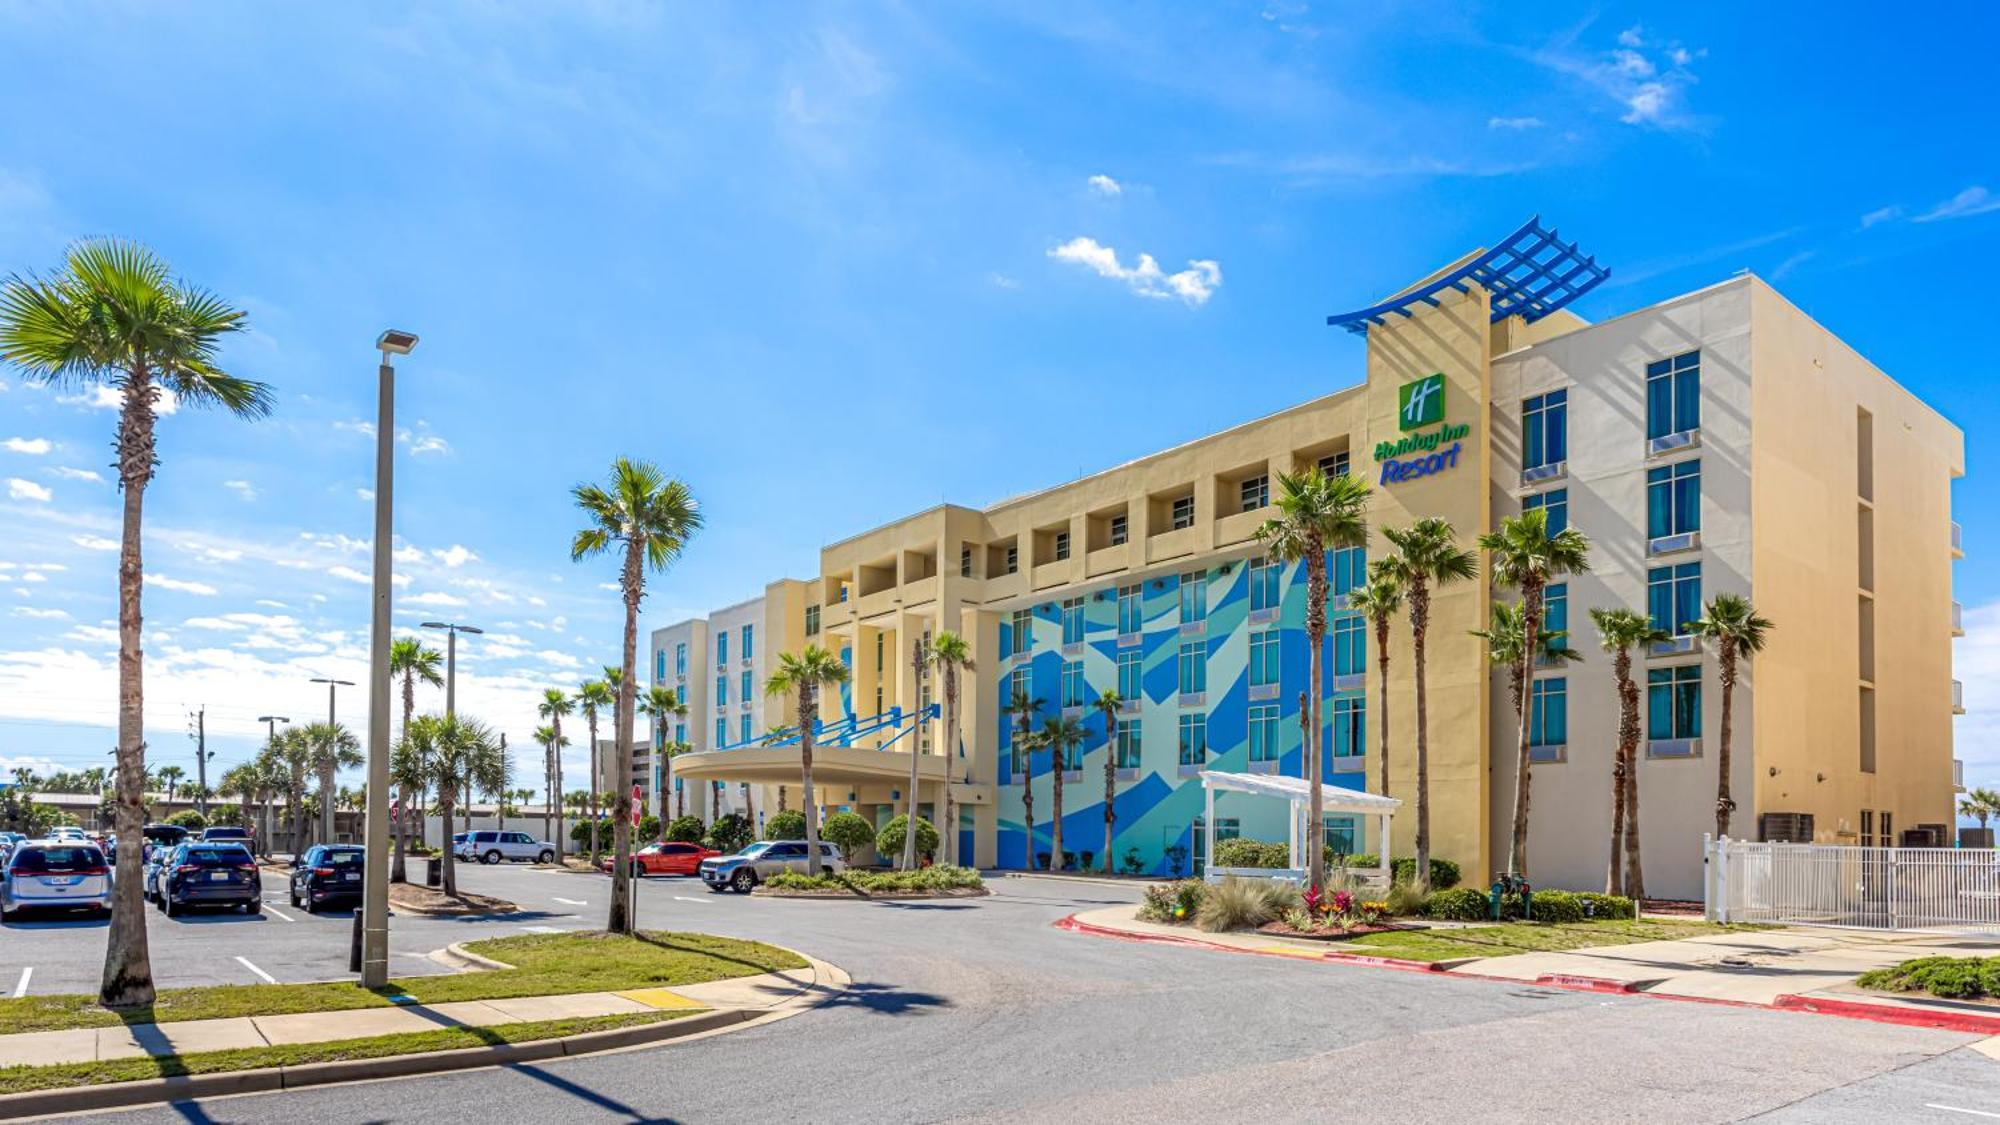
column 407, row 554
column 181, row 585
column 40, row 614
column 34, row 447
column 64, row 472
column 356, row 426
column 1002, row 281
column 1632, row 37
column 34, row 576
column 102, row 397
column 435, row 597
column 1972, row 201
column 270, row 604
column 427, row 443
column 557, row 658
column 1881, row 215
column 18, row 489
column 1193, row 285
column 1105, row 185
column 1647, row 79
column 94, row 634
column 454, row 556
column 348, row 573
column 1515, row 123
column 365, row 493
column 94, row 542
column 241, row 488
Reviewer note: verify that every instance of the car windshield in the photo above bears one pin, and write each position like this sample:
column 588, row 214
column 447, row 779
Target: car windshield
column 60, row 858
column 215, row 857
column 343, row 859
column 756, row 849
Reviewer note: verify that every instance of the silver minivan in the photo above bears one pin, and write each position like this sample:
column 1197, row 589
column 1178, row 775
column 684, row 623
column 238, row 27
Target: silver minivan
column 493, row 847
column 55, row 875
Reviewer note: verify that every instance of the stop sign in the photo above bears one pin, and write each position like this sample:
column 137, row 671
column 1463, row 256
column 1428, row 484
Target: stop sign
column 638, row 799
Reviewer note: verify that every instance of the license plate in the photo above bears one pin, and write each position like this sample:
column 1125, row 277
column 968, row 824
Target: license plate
column 218, row 876
column 350, row 878
column 62, row 880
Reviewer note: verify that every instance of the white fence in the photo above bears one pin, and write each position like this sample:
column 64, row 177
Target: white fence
column 1874, row 888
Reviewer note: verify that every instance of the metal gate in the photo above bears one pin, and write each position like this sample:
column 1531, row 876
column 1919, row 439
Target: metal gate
column 1873, row 888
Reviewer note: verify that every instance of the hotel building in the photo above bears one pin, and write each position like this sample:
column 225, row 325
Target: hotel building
column 1717, row 442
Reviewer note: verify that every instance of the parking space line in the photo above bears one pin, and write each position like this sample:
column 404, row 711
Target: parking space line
column 27, row 975
column 686, row 898
column 282, row 916
column 530, row 929
column 268, row 978
column 1961, row 1109
column 571, row 901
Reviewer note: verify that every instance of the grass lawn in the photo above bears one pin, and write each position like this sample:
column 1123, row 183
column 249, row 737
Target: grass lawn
column 1954, row 978
column 1529, row 937
column 18, row 1079
column 544, row 965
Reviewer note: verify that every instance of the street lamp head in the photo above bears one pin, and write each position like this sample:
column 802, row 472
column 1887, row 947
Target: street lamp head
column 396, row 342
column 435, row 625
column 471, row 629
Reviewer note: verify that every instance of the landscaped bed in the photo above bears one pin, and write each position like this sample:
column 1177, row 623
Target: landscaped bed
column 1952, row 978
column 414, row 898
column 1509, row 938
column 543, row 965
column 925, row 882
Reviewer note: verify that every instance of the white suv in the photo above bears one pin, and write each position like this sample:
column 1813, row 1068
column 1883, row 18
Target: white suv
column 493, row 847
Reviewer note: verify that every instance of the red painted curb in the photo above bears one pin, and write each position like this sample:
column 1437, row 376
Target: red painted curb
column 1969, row 1022
column 1380, row 962
column 1575, row 983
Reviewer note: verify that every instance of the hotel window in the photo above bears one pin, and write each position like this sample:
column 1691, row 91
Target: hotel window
column 721, row 690
column 1255, row 492
column 1128, row 745
column 659, row 664
column 1013, row 559
column 1263, row 584
column 1673, row 702
column 1350, row 726
column 1062, row 545
column 721, row 648
column 1119, row 530
column 1673, row 596
column 745, row 727
column 1194, row 596
column 881, row 645
column 747, row 689
column 721, row 733
column 1129, row 663
column 1673, row 396
column 1072, row 683
column 1548, row 714
column 1193, row 668
column 812, row 621
column 1867, row 828
column 1130, row 618
column 1350, row 645
column 749, row 649
column 878, row 699
column 1545, row 430
column 1264, row 657
column 1554, row 504
column 1673, row 499
column 1888, row 829
column 965, row 562
column 1349, row 570
column 1335, row 464
column 1555, row 616
column 1194, row 739
column 680, row 660
column 1020, row 633
column 1183, row 512
column 1263, row 732
column 680, row 732
column 1341, row 835
column 1072, row 621
column 1016, row 685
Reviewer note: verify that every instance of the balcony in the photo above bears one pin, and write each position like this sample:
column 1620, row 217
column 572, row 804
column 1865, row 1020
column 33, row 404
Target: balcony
column 1957, row 776
column 1240, row 527
column 1054, row 573
column 1957, row 698
column 1106, row 560
column 1957, row 540
column 1957, row 620
column 1173, row 544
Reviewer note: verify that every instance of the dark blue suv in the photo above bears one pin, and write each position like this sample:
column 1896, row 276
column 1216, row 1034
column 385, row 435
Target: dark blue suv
column 326, row 874
column 210, row 875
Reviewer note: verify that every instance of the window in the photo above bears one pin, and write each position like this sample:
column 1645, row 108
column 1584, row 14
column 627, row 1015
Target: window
column 881, row 646
column 1545, row 430
column 1020, row 633
column 1128, row 745
column 721, row 648
column 745, row 724
column 1334, row 464
column 1072, row 621
column 1350, row 723
column 1072, row 683
column 1548, row 713
column 721, row 733
column 1673, row 702
column 1194, row 596
column 1119, row 530
column 1264, row 657
column 1194, row 739
column 1350, row 645
column 1673, row 499
column 1555, row 616
column 1013, row 559
column 1888, row 829
column 1340, row 835
column 1263, row 584
column 1867, row 828
column 680, row 660
column 1130, row 618
column 1263, row 732
column 1254, row 492
column 1673, row 596
column 747, row 691
column 748, row 646
column 1554, row 503
column 1673, row 396
column 1128, row 675
column 812, row 621
column 1349, row 569
column 721, row 690
column 965, row 562
column 1193, row 668
column 1062, row 545
column 659, row 664
column 680, row 732
column 1183, row 512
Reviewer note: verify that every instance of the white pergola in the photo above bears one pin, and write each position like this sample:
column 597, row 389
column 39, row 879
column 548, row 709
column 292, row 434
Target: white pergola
column 1333, row 799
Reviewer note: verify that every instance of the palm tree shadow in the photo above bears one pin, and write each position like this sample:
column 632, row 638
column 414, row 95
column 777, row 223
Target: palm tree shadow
column 656, row 939
column 885, row 999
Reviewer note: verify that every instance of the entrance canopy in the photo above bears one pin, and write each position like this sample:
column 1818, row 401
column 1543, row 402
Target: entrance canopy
column 1530, row 274
column 1297, row 791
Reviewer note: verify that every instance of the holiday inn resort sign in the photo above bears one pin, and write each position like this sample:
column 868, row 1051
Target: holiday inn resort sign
column 1420, row 452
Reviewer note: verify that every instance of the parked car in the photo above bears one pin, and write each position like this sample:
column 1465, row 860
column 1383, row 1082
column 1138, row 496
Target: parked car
column 8, row 842
column 149, row 875
column 493, row 847
column 57, row 875
column 742, row 871
column 218, row 833
column 327, row 874
column 666, row 859
column 204, row 874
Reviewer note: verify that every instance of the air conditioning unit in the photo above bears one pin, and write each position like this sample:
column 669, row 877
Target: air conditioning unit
column 1785, row 828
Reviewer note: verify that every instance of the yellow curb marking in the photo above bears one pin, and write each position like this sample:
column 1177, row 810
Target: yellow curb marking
column 659, row 998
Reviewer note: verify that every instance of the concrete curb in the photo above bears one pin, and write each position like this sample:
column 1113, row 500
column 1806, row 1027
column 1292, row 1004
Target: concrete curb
column 1946, row 1020
column 892, row 896
column 1577, row 983
column 1079, row 877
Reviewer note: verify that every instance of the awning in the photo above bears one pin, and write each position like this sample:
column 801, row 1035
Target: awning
column 1333, row 798
column 1297, row 792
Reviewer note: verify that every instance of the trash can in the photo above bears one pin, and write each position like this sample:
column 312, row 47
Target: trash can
column 433, row 872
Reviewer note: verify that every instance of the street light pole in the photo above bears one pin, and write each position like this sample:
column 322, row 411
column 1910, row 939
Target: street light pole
column 270, row 739
column 331, row 687
column 326, row 820
column 451, row 631
column 375, row 885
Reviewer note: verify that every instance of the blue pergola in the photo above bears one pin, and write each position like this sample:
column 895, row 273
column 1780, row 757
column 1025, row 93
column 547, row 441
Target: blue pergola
column 1530, row 274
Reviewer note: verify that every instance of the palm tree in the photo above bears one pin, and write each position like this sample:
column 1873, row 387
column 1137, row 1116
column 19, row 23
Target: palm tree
column 241, row 779
column 1526, row 557
column 410, row 659
column 1061, row 735
column 1504, row 638
column 1427, row 554
column 1023, row 707
column 170, row 780
column 294, row 759
column 662, row 704
column 1731, row 622
column 456, row 748
column 1619, row 632
column 114, row 316
column 950, row 655
column 919, row 664
column 546, row 736
column 1981, row 804
column 554, row 705
column 1316, row 514
column 1107, row 703
column 334, row 748
column 1379, row 600
column 590, row 698
column 801, row 675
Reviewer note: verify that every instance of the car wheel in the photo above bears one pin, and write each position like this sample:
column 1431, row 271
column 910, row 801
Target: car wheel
column 546, row 857
column 308, row 905
column 168, row 905
column 743, row 882
column 254, row 906
column 490, row 857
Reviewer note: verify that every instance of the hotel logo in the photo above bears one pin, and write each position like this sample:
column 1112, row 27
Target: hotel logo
column 1420, row 403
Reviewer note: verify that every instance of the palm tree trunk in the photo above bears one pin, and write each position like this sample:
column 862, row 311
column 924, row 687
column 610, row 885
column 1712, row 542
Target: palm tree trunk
column 555, row 724
column 1058, row 766
column 1531, row 625
column 624, row 918
column 1316, row 593
column 595, row 774
column 1614, row 875
column 1420, row 609
column 808, row 715
column 909, row 857
column 1724, row 803
column 447, row 796
column 1028, row 795
column 1382, row 706
column 1110, row 783
column 127, row 981
column 948, row 830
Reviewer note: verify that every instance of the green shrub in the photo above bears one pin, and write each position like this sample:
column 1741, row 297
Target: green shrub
column 1458, row 904
column 1174, row 903
column 1598, row 905
column 1241, row 852
column 648, row 829
column 685, row 830
column 1954, row 978
column 1405, row 901
column 850, row 832
column 730, row 833
column 190, row 820
column 1239, row 904
column 1403, row 869
column 922, row 880
column 889, row 842
column 787, row 825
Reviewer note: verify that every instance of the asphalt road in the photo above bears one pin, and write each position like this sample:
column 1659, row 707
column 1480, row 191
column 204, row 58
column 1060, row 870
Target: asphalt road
column 981, row 1011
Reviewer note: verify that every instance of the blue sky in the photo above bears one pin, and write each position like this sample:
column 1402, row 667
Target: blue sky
column 834, row 263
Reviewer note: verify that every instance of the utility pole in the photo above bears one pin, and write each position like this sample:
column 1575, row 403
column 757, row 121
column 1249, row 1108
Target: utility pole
column 201, row 757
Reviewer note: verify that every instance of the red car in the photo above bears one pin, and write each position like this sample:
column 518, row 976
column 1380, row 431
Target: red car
column 667, row 859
